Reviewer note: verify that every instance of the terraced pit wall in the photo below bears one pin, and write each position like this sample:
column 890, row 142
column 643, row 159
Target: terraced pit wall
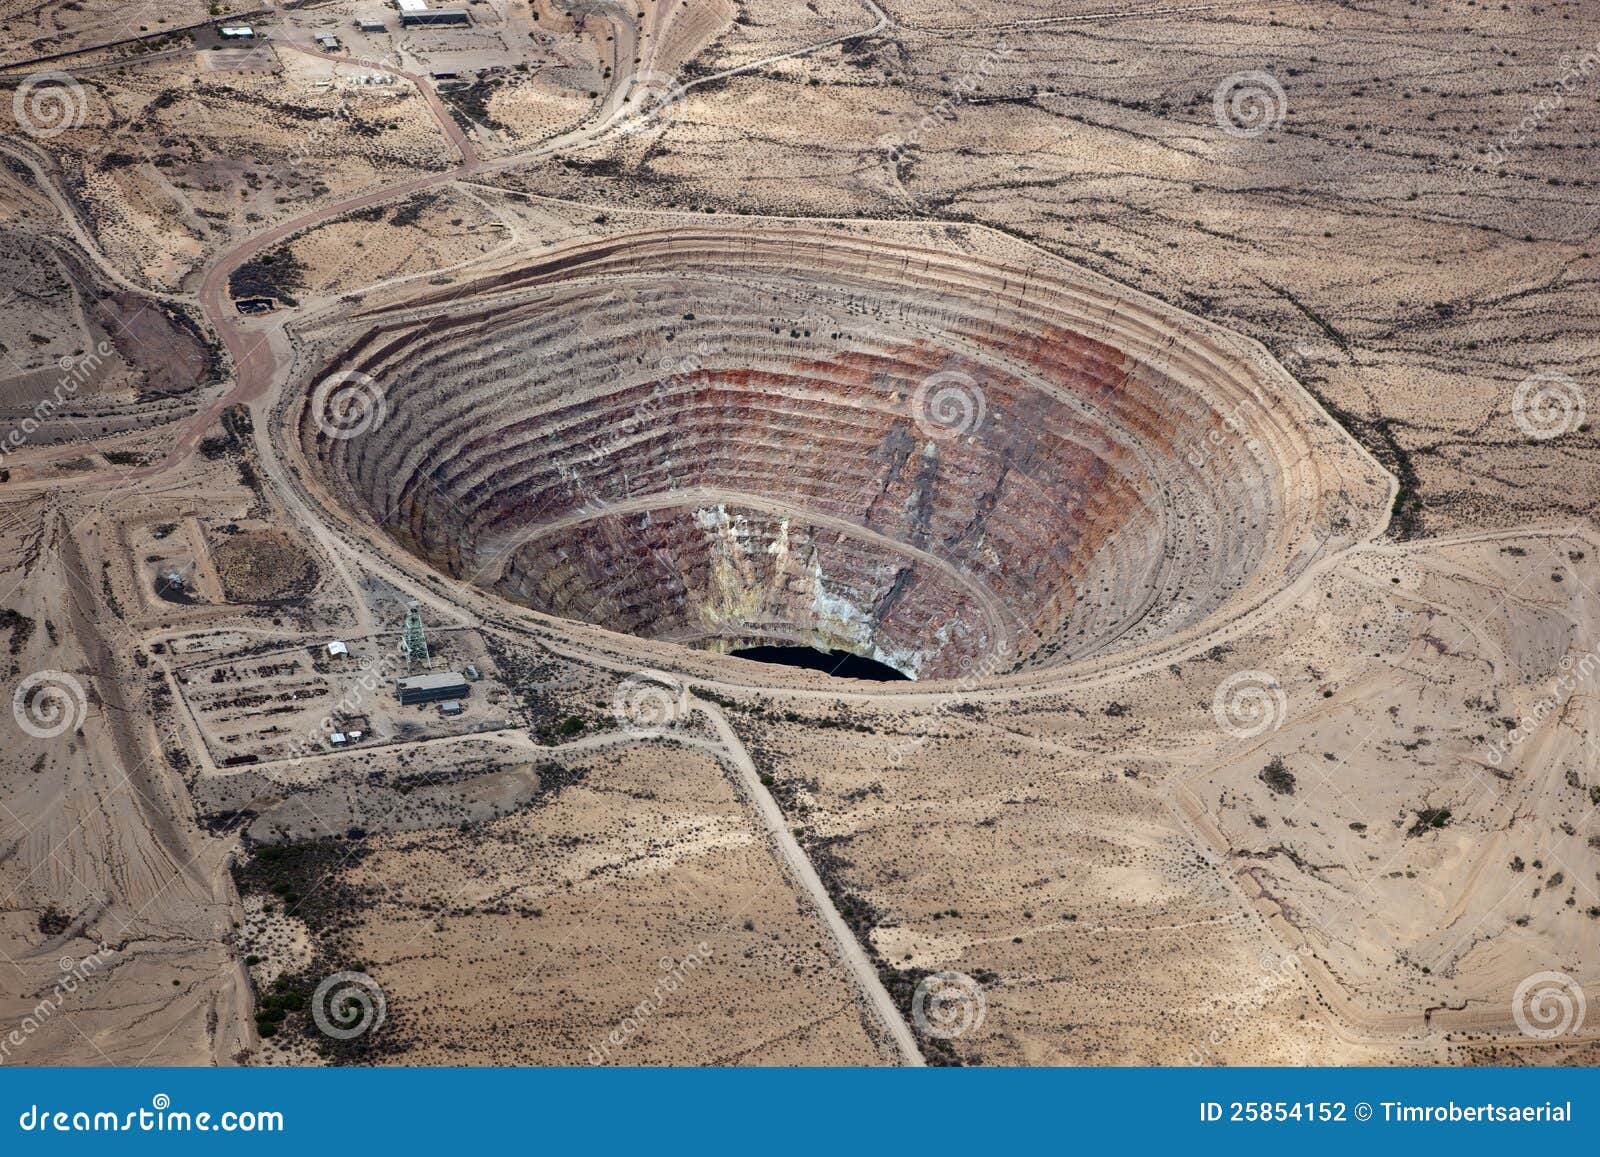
column 720, row 436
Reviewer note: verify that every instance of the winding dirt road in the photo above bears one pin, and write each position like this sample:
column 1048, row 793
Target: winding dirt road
column 252, row 350
column 256, row 363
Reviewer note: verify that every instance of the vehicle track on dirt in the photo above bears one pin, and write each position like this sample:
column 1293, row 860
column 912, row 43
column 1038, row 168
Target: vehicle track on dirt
column 256, row 366
column 805, row 875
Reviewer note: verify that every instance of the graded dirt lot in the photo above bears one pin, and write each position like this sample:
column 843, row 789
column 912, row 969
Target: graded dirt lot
column 1192, row 403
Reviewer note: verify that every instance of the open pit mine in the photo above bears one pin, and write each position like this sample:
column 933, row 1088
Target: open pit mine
column 689, row 533
column 945, row 461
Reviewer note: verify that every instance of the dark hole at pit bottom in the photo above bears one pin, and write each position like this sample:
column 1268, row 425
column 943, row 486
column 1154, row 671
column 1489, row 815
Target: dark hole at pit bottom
column 841, row 663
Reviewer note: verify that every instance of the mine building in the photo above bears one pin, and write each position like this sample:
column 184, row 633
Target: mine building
column 452, row 707
column 442, row 685
column 417, row 14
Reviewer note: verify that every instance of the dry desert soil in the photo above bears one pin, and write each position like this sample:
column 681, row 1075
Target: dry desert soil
column 1177, row 413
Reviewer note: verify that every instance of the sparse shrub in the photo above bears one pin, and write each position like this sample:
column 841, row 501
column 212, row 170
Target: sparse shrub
column 1429, row 819
column 1277, row 776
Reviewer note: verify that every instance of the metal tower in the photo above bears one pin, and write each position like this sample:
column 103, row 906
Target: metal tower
column 413, row 639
